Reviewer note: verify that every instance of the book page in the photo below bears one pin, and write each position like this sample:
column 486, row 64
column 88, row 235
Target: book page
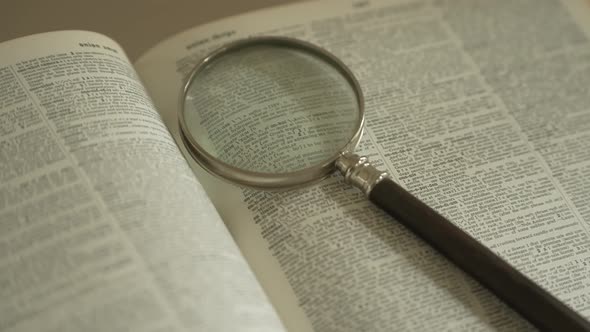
column 103, row 227
column 479, row 108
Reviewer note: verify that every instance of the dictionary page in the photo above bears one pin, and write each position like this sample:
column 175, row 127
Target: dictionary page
column 479, row 108
column 103, row 227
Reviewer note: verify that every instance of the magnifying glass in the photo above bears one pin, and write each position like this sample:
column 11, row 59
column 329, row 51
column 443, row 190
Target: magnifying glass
column 277, row 113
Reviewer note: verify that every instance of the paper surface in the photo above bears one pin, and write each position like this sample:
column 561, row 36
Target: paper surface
column 478, row 108
column 103, row 227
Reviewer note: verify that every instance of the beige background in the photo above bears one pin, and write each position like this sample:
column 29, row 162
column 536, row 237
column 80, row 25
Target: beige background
column 135, row 24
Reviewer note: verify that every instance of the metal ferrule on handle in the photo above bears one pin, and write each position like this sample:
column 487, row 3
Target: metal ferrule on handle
column 358, row 172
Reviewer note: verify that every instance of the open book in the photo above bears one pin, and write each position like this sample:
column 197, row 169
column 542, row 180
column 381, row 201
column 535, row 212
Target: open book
column 479, row 108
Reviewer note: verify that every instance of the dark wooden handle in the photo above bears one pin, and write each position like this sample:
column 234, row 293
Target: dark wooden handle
column 527, row 298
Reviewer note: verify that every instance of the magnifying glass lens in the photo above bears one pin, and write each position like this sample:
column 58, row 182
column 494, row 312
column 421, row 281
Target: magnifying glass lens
column 271, row 109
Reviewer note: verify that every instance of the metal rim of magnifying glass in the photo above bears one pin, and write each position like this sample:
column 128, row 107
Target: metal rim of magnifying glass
column 260, row 180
